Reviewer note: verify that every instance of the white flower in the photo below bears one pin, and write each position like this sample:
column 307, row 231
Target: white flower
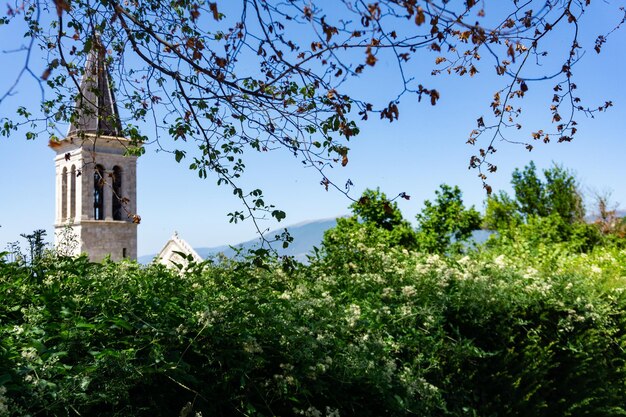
column 408, row 291
column 332, row 412
column 530, row 273
column 406, row 310
column 500, row 261
column 313, row 412
column 29, row 353
column 4, row 408
column 354, row 314
column 252, row 346
column 204, row 318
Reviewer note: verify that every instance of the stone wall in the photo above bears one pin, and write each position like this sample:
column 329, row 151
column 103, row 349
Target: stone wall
column 75, row 204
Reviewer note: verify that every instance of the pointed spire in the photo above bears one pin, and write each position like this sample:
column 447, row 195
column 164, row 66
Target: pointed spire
column 96, row 105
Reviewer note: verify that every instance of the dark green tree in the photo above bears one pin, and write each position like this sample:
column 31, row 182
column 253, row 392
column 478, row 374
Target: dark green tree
column 530, row 192
column 376, row 221
column 443, row 225
column 543, row 210
column 501, row 212
column 374, row 207
column 563, row 196
column 556, row 195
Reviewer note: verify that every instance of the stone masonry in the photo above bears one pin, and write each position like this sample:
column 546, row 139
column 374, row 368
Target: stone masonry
column 76, row 181
column 96, row 184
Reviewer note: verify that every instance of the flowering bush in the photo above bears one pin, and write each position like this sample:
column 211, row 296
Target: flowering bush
column 368, row 330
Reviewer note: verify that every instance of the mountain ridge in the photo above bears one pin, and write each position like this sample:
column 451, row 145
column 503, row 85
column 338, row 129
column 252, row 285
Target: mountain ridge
column 306, row 235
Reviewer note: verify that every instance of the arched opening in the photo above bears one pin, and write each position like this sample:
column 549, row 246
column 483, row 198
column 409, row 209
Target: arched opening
column 73, row 193
column 64, row 195
column 117, row 193
column 98, row 193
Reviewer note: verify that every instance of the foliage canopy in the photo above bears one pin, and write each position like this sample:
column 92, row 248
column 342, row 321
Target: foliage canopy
column 445, row 224
column 542, row 210
column 219, row 79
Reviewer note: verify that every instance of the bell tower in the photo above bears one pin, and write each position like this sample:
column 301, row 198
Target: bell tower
column 96, row 191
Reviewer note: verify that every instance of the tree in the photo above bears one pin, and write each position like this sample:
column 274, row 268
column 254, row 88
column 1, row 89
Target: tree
column 501, row 212
column 530, row 192
column 375, row 219
column 558, row 195
column 36, row 244
column 543, row 211
column 234, row 77
column 563, row 195
column 374, row 207
column 445, row 224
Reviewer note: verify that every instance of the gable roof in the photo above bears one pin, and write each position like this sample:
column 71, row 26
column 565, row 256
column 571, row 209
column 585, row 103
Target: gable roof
column 96, row 105
column 168, row 256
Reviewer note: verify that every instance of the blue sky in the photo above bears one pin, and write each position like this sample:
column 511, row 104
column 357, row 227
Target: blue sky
column 424, row 148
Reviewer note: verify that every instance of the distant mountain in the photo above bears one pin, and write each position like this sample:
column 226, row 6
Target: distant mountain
column 305, row 236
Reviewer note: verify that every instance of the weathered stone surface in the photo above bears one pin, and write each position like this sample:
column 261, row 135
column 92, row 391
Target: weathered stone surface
column 76, row 163
column 96, row 184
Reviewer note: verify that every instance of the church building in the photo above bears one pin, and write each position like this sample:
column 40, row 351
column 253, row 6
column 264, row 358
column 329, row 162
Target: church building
column 96, row 183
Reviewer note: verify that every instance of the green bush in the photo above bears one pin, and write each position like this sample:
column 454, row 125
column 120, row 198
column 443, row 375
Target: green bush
column 390, row 332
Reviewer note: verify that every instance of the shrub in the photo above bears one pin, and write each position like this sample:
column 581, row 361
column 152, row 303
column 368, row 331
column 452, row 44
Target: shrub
column 391, row 333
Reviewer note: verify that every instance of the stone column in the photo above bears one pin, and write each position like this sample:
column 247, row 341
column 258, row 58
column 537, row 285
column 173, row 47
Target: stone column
column 79, row 194
column 57, row 194
column 68, row 195
column 86, row 195
column 107, row 194
column 130, row 187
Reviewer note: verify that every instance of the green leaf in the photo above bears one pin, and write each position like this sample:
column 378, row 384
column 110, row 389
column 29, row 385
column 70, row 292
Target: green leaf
column 279, row 214
column 88, row 45
column 121, row 323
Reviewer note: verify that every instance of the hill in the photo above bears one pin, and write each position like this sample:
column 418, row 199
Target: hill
column 305, row 236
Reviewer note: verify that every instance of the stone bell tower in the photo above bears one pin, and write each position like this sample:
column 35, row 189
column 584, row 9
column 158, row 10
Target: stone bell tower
column 96, row 191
